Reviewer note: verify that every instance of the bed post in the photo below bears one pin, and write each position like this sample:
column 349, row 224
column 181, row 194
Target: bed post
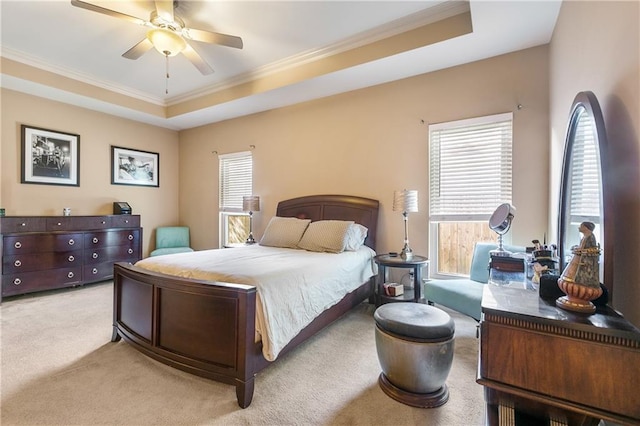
column 247, row 352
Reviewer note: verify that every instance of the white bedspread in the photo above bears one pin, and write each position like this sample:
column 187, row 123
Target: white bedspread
column 293, row 286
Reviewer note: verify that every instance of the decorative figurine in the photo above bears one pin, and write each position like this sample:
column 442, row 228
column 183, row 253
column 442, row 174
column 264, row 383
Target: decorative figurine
column 580, row 280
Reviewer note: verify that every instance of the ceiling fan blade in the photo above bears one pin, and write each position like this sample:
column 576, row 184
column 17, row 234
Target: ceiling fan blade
column 197, row 60
column 108, row 12
column 138, row 50
column 215, row 38
column 164, row 9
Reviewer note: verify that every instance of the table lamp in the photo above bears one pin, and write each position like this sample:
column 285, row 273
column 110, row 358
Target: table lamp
column 250, row 203
column 406, row 201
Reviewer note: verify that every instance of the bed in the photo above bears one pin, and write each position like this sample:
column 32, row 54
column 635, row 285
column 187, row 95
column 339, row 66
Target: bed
column 208, row 327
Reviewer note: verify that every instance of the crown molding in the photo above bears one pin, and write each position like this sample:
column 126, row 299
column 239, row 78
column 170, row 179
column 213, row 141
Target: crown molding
column 32, row 61
column 438, row 12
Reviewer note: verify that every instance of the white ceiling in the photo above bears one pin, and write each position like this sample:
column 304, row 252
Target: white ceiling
column 278, row 35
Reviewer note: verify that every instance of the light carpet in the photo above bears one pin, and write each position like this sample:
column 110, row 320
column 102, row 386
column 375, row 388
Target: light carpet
column 60, row 368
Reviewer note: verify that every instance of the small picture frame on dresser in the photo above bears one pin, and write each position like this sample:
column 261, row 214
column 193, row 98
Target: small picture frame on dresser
column 49, row 157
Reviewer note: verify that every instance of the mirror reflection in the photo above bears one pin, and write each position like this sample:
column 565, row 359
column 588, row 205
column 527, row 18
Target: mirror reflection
column 581, row 194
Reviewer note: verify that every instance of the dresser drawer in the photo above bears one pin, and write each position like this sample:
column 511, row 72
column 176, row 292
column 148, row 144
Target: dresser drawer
column 97, row 272
column 22, row 224
column 37, row 243
column 125, row 221
column 40, row 261
column 111, row 254
column 78, row 223
column 101, row 239
column 28, row 282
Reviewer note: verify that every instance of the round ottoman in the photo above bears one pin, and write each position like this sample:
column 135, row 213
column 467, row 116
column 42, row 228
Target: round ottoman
column 415, row 350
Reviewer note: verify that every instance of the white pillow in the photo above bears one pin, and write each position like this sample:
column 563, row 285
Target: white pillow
column 326, row 236
column 284, row 232
column 355, row 237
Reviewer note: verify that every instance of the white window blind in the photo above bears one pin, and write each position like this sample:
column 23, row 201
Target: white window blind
column 236, row 180
column 585, row 173
column 470, row 167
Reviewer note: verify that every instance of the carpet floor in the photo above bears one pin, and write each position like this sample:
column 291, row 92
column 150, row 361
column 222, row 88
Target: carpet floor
column 59, row 367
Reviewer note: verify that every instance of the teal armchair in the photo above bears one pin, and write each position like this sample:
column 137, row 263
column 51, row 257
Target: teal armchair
column 465, row 294
column 172, row 239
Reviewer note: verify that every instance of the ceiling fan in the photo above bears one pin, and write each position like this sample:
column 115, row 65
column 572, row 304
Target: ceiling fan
column 167, row 33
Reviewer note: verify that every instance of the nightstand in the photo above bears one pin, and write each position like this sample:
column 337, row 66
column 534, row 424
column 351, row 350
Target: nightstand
column 386, row 261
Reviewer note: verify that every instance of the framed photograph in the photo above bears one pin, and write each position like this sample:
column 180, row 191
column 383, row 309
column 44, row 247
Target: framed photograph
column 50, row 157
column 134, row 167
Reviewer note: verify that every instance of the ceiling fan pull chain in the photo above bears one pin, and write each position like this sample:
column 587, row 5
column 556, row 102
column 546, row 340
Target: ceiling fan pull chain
column 166, row 89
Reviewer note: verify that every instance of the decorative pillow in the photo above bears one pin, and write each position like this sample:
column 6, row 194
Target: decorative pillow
column 284, row 232
column 326, row 236
column 355, row 237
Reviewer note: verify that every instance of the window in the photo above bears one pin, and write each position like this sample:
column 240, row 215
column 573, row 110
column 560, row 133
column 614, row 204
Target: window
column 236, row 181
column 470, row 164
column 583, row 181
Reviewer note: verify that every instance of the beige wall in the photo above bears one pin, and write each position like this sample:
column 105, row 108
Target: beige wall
column 596, row 47
column 96, row 194
column 372, row 141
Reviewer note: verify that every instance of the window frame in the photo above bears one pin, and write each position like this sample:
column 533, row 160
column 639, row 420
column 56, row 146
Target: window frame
column 230, row 204
column 483, row 208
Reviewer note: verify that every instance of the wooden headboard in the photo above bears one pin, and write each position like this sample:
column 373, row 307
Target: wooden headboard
column 334, row 207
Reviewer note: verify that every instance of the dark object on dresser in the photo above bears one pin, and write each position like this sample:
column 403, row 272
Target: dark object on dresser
column 121, row 207
column 49, row 252
column 208, row 328
column 549, row 289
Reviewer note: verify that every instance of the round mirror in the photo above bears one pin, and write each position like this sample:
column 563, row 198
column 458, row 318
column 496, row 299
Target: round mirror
column 581, row 192
column 500, row 222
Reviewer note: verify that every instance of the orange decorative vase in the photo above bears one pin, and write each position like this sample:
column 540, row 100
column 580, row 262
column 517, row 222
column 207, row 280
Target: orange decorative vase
column 578, row 296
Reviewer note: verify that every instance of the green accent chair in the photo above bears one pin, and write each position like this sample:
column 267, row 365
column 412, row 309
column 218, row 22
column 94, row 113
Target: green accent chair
column 465, row 294
column 172, row 239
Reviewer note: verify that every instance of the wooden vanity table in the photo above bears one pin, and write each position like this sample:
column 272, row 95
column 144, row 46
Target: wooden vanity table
column 539, row 360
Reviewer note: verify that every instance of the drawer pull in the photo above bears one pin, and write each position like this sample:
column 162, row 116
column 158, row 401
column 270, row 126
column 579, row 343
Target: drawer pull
column 130, row 251
column 94, row 271
column 130, row 237
column 59, row 224
column 71, row 242
column 70, row 275
column 18, row 244
column 94, row 255
column 17, row 263
column 23, row 224
column 17, row 281
column 71, row 258
column 103, row 222
column 126, row 221
column 95, row 240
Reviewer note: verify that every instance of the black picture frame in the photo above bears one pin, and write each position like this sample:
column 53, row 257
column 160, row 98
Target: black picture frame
column 49, row 157
column 134, row 167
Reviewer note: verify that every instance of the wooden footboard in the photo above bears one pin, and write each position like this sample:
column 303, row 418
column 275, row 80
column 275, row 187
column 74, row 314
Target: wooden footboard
column 204, row 328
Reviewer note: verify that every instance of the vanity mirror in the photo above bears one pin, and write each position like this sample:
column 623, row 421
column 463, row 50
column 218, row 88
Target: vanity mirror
column 582, row 191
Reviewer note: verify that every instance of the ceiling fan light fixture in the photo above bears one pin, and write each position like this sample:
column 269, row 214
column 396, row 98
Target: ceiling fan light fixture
column 166, row 41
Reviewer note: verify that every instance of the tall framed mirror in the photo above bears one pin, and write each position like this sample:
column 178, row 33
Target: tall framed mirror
column 583, row 195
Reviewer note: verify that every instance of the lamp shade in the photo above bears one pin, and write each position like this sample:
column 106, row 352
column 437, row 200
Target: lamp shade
column 166, row 41
column 251, row 203
column 405, row 200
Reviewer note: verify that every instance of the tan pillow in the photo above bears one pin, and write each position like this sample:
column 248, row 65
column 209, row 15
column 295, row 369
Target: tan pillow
column 284, row 232
column 326, row 236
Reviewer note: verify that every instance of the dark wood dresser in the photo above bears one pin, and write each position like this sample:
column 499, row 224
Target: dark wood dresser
column 49, row 252
column 541, row 362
